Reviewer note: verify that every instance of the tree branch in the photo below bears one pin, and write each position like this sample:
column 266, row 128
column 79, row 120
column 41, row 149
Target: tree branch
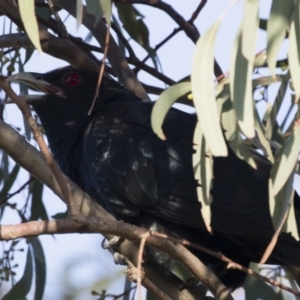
column 114, row 55
column 127, row 231
column 54, row 46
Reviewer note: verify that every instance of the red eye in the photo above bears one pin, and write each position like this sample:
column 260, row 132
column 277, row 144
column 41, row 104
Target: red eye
column 72, row 79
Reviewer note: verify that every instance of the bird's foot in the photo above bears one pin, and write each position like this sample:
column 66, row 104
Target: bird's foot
column 110, row 244
column 132, row 273
column 120, row 259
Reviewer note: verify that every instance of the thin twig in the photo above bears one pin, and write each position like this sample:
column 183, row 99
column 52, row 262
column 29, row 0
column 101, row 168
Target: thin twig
column 39, row 139
column 61, row 26
column 139, row 266
column 230, row 263
column 197, row 11
column 101, row 68
column 8, row 196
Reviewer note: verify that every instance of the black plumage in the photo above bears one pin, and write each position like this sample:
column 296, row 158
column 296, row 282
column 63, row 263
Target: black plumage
column 116, row 158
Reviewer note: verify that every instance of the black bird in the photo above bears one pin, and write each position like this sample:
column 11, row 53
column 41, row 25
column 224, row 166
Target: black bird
column 115, row 157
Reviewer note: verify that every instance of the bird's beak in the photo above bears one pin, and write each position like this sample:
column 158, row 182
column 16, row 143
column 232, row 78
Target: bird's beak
column 35, row 81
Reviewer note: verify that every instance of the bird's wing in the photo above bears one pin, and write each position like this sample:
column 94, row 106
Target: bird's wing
column 134, row 171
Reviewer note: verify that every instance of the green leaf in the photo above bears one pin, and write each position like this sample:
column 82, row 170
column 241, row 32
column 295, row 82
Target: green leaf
column 282, row 208
column 10, row 180
column 94, row 8
column 288, row 156
column 277, row 27
column 79, row 12
column 203, row 174
column 241, row 69
column 261, row 136
column 22, row 287
column 38, row 210
column 40, row 268
column 106, row 8
column 164, row 103
column 133, row 23
column 120, row 42
column 203, row 91
column 272, row 125
column 231, row 130
column 294, row 49
column 42, row 12
column 30, row 23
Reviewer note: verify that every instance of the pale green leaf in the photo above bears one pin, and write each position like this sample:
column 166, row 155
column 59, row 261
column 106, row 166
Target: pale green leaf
column 282, row 207
column 93, row 7
column 232, row 133
column 265, row 144
column 294, row 49
column 30, row 23
column 79, row 11
column 241, row 70
column 272, row 124
column 203, row 91
column 206, row 164
column 164, row 103
column 284, row 166
column 40, row 267
column 106, row 8
column 249, row 29
column 203, row 174
column 134, row 24
column 277, row 27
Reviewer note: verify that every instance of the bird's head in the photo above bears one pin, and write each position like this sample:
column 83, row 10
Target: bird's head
column 66, row 86
column 68, row 93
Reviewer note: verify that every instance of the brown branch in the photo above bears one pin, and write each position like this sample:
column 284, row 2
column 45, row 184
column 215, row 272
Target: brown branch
column 61, row 26
column 140, row 260
column 8, row 196
column 101, row 72
column 114, row 55
column 127, row 231
column 231, row 263
column 54, row 46
column 188, row 27
column 197, row 11
column 23, row 106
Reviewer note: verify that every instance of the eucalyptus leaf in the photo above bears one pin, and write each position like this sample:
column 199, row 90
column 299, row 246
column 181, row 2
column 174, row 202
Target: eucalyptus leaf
column 203, row 91
column 277, row 27
column 287, row 158
column 294, row 49
column 79, row 12
column 40, row 268
column 203, row 174
column 241, row 87
column 29, row 20
column 164, row 103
